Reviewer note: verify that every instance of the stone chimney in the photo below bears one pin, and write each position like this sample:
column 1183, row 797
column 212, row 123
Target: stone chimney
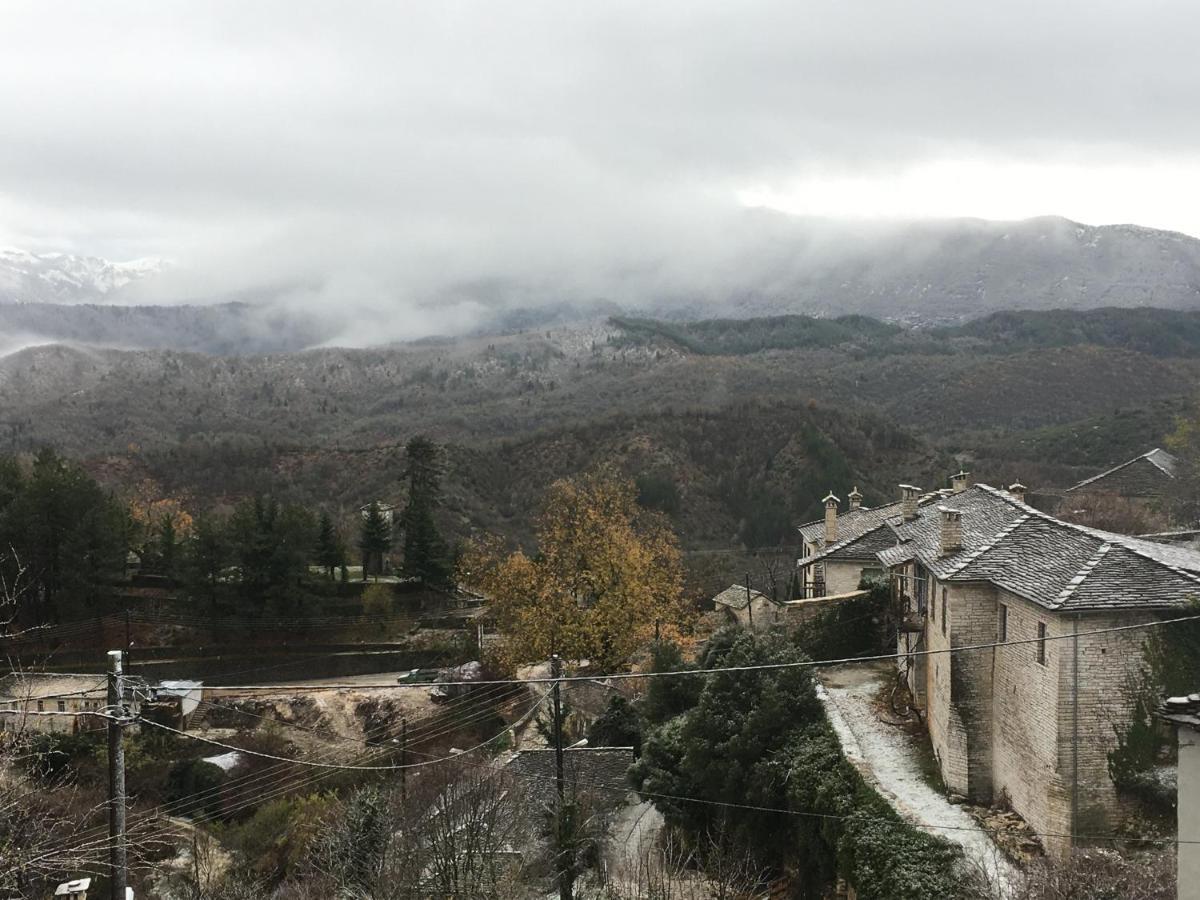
column 831, row 531
column 855, row 499
column 951, row 530
column 960, row 482
column 1017, row 490
column 909, row 494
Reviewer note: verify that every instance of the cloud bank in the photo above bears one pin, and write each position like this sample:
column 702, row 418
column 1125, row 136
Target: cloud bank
column 411, row 163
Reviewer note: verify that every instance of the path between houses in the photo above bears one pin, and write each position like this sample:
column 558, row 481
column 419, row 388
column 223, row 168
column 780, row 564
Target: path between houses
column 885, row 756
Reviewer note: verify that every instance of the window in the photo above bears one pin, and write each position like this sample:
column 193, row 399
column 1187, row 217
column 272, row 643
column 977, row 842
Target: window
column 1041, row 644
column 943, row 610
column 1002, row 632
column 41, row 706
column 62, row 705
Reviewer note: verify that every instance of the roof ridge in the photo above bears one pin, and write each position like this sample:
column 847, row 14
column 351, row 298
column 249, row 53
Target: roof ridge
column 845, row 542
column 1124, row 541
column 1120, row 466
column 1154, row 462
column 1084, row 571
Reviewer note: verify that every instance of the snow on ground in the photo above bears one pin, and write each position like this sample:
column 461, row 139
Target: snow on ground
column 886, row 757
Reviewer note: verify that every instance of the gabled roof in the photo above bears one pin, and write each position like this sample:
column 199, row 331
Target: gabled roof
column 734, row 596
column 1056, row 564
column 604, row 770
column 851, row 524
column 1160, row 459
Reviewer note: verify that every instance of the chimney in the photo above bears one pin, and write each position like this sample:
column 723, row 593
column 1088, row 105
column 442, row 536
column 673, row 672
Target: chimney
column 855, row 499
column 1017, row 490
column 960, row 482
column 909, row 494
column 831, row 505
column 951, row 530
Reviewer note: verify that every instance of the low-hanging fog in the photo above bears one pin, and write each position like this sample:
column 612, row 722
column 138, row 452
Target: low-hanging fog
column 396, row 170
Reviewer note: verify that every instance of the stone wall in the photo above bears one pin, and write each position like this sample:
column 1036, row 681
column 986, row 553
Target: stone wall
column 1002, row 724
column 1108, row 664
column 843, row 576
column 1189, row 814
column 1026, row 715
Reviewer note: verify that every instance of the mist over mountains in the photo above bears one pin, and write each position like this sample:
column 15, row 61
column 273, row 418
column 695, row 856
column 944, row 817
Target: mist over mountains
column 931, row 272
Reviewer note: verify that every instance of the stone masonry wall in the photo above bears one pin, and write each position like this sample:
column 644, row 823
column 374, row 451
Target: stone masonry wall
column 946, row 731
column 1035, row 715
column 1107, row 665
column 972, row 612
column 842, row 577
column 1026, row 697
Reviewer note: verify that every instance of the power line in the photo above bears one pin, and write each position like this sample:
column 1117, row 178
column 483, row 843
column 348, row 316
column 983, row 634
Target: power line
column 805, row 664
column 321, row 765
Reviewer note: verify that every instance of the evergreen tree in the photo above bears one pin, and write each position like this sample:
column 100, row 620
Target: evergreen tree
column 168, row 545
column 208, row 555
column 425, row 553
column 329, row 552
column 375, row 540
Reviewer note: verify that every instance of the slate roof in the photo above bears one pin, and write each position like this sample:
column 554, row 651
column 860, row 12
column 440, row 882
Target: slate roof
column 1159, row 458
column 599, row 770
column 734, row 596
column 851, row 524
column 1056, row 564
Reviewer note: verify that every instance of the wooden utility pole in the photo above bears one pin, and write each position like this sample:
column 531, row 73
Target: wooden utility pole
column 566, row 878
column 403, row 759
column 116, row 777
column 749, row 602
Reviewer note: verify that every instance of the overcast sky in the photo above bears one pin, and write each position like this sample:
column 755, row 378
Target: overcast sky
column 370, row 143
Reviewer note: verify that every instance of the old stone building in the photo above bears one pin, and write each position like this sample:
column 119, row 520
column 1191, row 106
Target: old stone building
column 1147, row 477
column 1019, row 709
column 847, row 543
column 31, row 701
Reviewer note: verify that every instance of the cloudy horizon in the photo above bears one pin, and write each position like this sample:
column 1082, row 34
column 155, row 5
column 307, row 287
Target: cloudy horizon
column 390, row 150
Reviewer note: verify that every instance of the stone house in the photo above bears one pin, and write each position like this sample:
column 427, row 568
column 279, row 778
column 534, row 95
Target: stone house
column 31, row 701
column 1030, row 724
column 847, row 542
column 749, row 608
column 1143, row 484
column 1149, row 476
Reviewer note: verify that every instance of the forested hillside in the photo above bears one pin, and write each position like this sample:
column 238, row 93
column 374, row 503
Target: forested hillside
column 738, row 426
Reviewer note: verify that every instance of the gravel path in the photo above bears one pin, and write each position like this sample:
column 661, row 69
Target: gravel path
column 885, row 756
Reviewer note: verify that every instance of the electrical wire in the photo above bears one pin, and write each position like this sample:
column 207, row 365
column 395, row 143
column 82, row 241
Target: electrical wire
column 805, row 664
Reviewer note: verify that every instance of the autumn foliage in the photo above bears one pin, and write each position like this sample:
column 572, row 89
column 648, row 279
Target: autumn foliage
column 605, row 571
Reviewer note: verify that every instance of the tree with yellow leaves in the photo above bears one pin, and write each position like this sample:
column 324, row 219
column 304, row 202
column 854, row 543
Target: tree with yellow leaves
column 606, row 570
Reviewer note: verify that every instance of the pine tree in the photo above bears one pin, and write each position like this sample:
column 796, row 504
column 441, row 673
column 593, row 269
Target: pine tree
column 425, row 553
column 328, row 552
column 168, row 545
column 375, row 540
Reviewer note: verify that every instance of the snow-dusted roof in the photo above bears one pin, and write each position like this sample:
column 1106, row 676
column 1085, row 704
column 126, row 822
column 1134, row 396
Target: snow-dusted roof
column 734, row 596
column 1056, row 564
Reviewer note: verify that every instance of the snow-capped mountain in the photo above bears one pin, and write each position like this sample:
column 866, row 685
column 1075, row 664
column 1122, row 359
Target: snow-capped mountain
column 64, row 278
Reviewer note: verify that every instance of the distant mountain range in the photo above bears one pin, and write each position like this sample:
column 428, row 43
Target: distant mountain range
column 923, row 273
column 65, row 278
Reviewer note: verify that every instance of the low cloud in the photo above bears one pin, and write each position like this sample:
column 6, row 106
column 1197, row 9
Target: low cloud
column 403, row 169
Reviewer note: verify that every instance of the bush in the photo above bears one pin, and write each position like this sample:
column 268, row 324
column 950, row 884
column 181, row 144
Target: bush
column 620, row 725
column 193, row 788
column 857, row 627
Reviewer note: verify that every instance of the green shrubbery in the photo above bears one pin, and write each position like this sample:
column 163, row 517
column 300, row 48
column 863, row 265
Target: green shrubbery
column 764, row 777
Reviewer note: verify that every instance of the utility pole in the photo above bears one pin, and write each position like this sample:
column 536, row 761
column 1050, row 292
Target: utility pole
column 128, row 641
column 116, row 777
column 749, row 602
column 566, row 879
column 403, row 759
